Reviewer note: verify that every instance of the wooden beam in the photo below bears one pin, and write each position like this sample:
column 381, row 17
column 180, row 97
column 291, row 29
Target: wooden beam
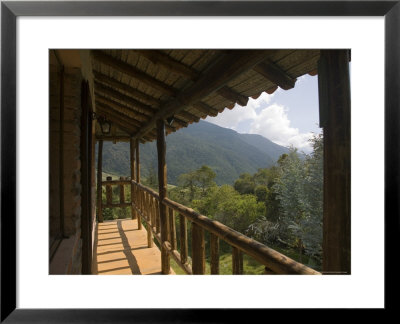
column 162, row 191
column 333, row 72
column 275, row 74
column 141, row 107
column 127, row 110
column 226, row 69
column 159, row 58
column 127, row 88
column 133, row 72
column 99, row 180
column 233, row 96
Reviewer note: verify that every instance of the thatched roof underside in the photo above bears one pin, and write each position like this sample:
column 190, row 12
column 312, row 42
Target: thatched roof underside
column 135, row 88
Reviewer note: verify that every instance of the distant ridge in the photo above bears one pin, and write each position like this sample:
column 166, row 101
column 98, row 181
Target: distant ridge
column 226, row 151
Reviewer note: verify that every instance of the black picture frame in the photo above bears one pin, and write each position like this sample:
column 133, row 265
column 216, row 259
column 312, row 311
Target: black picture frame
column 10, row 10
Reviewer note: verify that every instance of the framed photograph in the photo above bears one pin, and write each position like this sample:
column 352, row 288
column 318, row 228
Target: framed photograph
column 98, row 39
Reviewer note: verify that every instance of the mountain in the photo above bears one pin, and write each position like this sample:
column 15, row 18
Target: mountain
column 227, row 152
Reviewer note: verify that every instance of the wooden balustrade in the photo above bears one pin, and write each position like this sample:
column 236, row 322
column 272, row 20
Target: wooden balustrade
column 147, row 207
column 109, row 183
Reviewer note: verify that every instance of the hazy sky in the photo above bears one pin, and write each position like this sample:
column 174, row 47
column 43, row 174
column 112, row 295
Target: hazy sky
column 287, row 117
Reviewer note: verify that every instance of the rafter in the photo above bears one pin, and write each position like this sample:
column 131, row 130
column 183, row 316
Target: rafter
column 233, row 96
column 229, row 67
column 275, row 74
column 106, row 80
column 133, row 72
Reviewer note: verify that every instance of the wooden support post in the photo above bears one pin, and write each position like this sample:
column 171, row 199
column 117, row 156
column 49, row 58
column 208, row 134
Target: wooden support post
column 99, row 180
column 198, row 250
column 139, row 220
column 334, row 94
column 214, row 253
column 132, row 158
column 183, row 238
column 109, row 192
column 237, row 261
column 162, row 189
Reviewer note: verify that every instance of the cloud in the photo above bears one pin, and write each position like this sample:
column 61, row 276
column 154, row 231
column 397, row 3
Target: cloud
column 268, row 120
column 274, row 124
column 232, row 118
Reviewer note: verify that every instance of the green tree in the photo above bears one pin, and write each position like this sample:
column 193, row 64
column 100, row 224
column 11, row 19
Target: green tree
column 245, row 184
column 205, row 178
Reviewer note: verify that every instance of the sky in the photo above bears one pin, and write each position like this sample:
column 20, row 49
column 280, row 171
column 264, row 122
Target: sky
column 286, row 117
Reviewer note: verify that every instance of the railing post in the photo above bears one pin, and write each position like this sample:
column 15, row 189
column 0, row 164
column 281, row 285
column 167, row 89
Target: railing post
column 183, row 238
column 237, row 261
column 121, row 192
column 99, row 180
column 214, row 252
column 198, row 251
column 162, row 188
column 109, row 192
column 172, row 228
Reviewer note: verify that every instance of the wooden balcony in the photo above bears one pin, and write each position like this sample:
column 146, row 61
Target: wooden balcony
column 126, row 246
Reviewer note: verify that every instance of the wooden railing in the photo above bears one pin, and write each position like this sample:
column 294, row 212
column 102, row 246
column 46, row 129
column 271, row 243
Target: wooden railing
column 146, row 203
column 109, row 183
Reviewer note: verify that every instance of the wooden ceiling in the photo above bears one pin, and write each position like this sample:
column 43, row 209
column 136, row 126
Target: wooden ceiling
column 135, row 88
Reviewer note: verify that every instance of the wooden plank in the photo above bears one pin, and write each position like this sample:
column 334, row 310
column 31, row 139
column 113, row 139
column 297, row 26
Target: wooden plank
column 183, row 238
column 217, row 76
column 198, row 250
column 162, row 191
column 214, row 254
column 337, row 154
column 99, row 180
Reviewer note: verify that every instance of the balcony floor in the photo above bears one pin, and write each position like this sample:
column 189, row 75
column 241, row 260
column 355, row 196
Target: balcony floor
column 120, row 248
